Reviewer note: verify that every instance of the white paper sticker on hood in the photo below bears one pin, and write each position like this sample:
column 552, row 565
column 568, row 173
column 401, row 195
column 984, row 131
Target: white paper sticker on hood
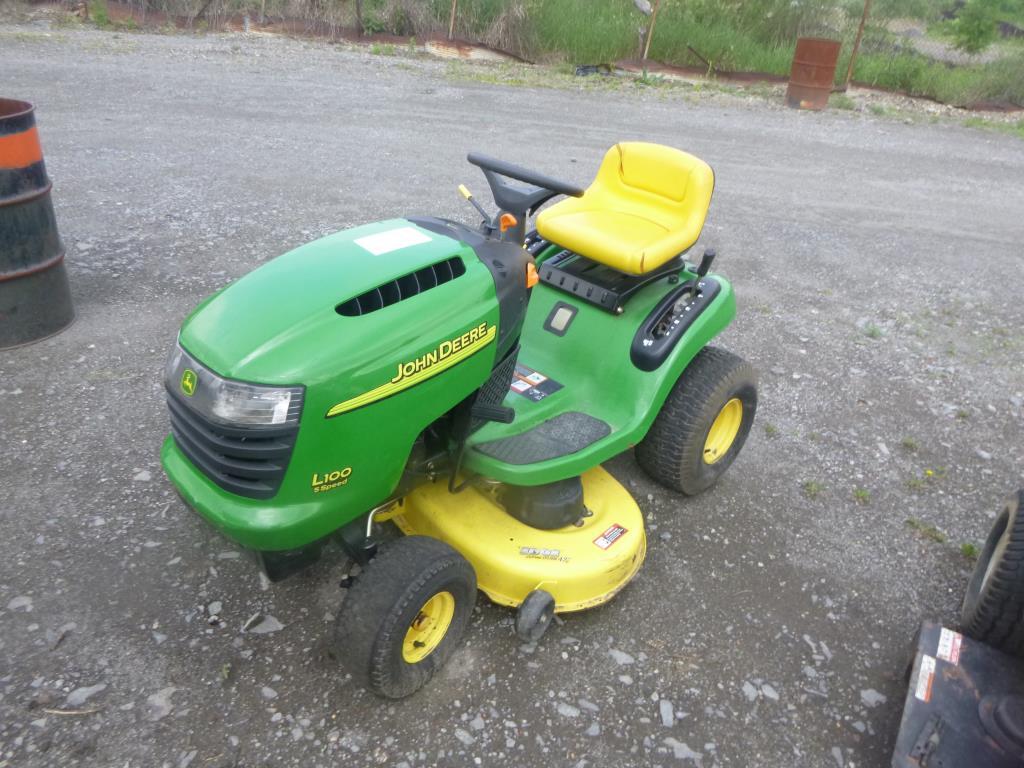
column 392, row 240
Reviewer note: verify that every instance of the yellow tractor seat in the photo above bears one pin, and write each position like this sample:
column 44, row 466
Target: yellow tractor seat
column 646, row 206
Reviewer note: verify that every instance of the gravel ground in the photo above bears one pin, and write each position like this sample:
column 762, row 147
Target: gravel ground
column 877, row 267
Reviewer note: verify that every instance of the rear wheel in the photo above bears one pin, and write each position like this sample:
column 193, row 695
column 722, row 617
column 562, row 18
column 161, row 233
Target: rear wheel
column 993, row 609
column 405, row 615
column 703, row 424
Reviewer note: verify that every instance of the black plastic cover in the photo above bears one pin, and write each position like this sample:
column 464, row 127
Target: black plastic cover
column 662, row 329
column 507, row 264
column 547, row 507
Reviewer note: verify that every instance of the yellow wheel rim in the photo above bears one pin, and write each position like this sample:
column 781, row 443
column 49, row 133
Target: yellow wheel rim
column 429, row 627
column 723, row 431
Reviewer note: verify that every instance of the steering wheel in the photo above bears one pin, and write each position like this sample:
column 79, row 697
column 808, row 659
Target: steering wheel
column 502, row 168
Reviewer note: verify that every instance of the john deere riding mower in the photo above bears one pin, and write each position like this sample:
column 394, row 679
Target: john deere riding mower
column 465, row 383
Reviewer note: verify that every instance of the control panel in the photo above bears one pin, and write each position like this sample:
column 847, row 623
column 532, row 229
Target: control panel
column 666, row 324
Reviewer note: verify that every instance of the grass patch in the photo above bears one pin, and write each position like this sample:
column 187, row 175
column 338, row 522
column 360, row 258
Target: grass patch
column 969, row 551
column 98, row 14
column 1012, row 129
column 387, row 49
column 813, row 489
column 918, row 75
column 915, row 483
column 909, row 444
column 770, row 430
column 759, row 37
column 585, row 31
column 862, row 495
column 926, row 530
column 872, row 331
column 841, row 101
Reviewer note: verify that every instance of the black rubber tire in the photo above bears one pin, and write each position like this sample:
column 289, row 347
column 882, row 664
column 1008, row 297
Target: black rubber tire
column 534, row 616
column 672, row 452
column 993, row 609
column 384, row 601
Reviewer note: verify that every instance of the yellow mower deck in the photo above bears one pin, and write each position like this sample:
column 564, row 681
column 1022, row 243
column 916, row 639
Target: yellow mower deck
column 581, row 567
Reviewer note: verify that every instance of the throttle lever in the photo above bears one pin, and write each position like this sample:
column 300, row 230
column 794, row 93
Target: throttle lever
column 705, row 262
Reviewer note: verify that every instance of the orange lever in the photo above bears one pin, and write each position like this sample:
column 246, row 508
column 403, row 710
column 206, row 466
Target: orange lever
column 507, row 221
column 532, row 278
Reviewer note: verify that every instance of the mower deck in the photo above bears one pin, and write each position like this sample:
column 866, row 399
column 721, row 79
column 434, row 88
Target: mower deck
column 581, row 566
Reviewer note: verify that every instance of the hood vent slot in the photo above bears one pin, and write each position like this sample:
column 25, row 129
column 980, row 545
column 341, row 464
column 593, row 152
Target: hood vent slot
column 403, row 288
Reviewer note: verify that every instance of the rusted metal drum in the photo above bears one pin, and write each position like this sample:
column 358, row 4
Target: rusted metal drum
column 814, row 71
column 35, row 299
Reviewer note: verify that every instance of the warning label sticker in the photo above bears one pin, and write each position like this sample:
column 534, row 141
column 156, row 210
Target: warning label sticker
column 949, row 646
column 532, row 384
column 923, row 689
column 609, row 537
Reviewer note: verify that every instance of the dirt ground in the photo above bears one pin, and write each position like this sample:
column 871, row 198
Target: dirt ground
column 877, row 267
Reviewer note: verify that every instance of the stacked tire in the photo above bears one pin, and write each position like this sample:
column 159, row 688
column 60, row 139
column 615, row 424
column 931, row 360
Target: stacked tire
column 993, row 609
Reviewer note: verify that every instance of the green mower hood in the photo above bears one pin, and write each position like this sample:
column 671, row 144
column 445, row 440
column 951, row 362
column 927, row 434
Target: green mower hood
column 280, row 324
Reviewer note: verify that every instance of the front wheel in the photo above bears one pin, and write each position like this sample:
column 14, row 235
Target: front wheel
column 405, row 614
column 703, row 424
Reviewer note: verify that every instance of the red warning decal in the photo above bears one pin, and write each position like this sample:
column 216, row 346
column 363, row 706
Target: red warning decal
column 923, row 689
column 609, row 537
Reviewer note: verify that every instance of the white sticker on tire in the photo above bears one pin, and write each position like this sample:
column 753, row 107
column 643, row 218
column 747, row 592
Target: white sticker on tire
column 949, row 646
column 923, row 689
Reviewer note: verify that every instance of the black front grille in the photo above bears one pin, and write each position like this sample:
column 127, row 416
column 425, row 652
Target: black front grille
column 249, row 461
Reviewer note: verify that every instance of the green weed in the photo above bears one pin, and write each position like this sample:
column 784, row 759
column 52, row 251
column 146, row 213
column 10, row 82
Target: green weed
column 813, row 489
column 1013, row 129
column 841, row 101
column 927, row 530
column 98, row 13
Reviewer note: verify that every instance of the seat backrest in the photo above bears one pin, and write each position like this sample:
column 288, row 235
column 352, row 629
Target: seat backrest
column 656, row 169
column 675, row 181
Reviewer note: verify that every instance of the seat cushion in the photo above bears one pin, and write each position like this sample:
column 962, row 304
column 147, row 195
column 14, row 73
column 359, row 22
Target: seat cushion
column 612, row 235
column 646, row 206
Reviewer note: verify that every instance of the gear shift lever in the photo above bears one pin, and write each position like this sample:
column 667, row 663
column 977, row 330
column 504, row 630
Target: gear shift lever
column 705, row 262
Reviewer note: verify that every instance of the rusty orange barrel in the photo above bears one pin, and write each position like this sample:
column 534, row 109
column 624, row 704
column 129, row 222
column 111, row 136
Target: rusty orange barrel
column 814, row 71
column 35, row 299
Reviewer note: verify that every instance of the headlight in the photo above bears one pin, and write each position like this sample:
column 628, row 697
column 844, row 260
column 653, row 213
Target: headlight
column 226, row 401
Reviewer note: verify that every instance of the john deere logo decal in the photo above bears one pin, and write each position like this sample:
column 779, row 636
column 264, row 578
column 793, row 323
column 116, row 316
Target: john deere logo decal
column 188, row 382
column 411, row 372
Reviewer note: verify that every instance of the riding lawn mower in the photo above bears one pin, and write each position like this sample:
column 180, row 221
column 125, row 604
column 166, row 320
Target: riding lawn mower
column 465, row 383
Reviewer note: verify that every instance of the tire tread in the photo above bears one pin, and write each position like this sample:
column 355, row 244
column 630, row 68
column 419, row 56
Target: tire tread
column 672, row 445
column 997, row 615
column 369, row 617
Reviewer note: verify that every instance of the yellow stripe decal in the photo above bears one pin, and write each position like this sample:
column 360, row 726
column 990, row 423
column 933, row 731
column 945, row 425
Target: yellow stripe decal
column 394, row 387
